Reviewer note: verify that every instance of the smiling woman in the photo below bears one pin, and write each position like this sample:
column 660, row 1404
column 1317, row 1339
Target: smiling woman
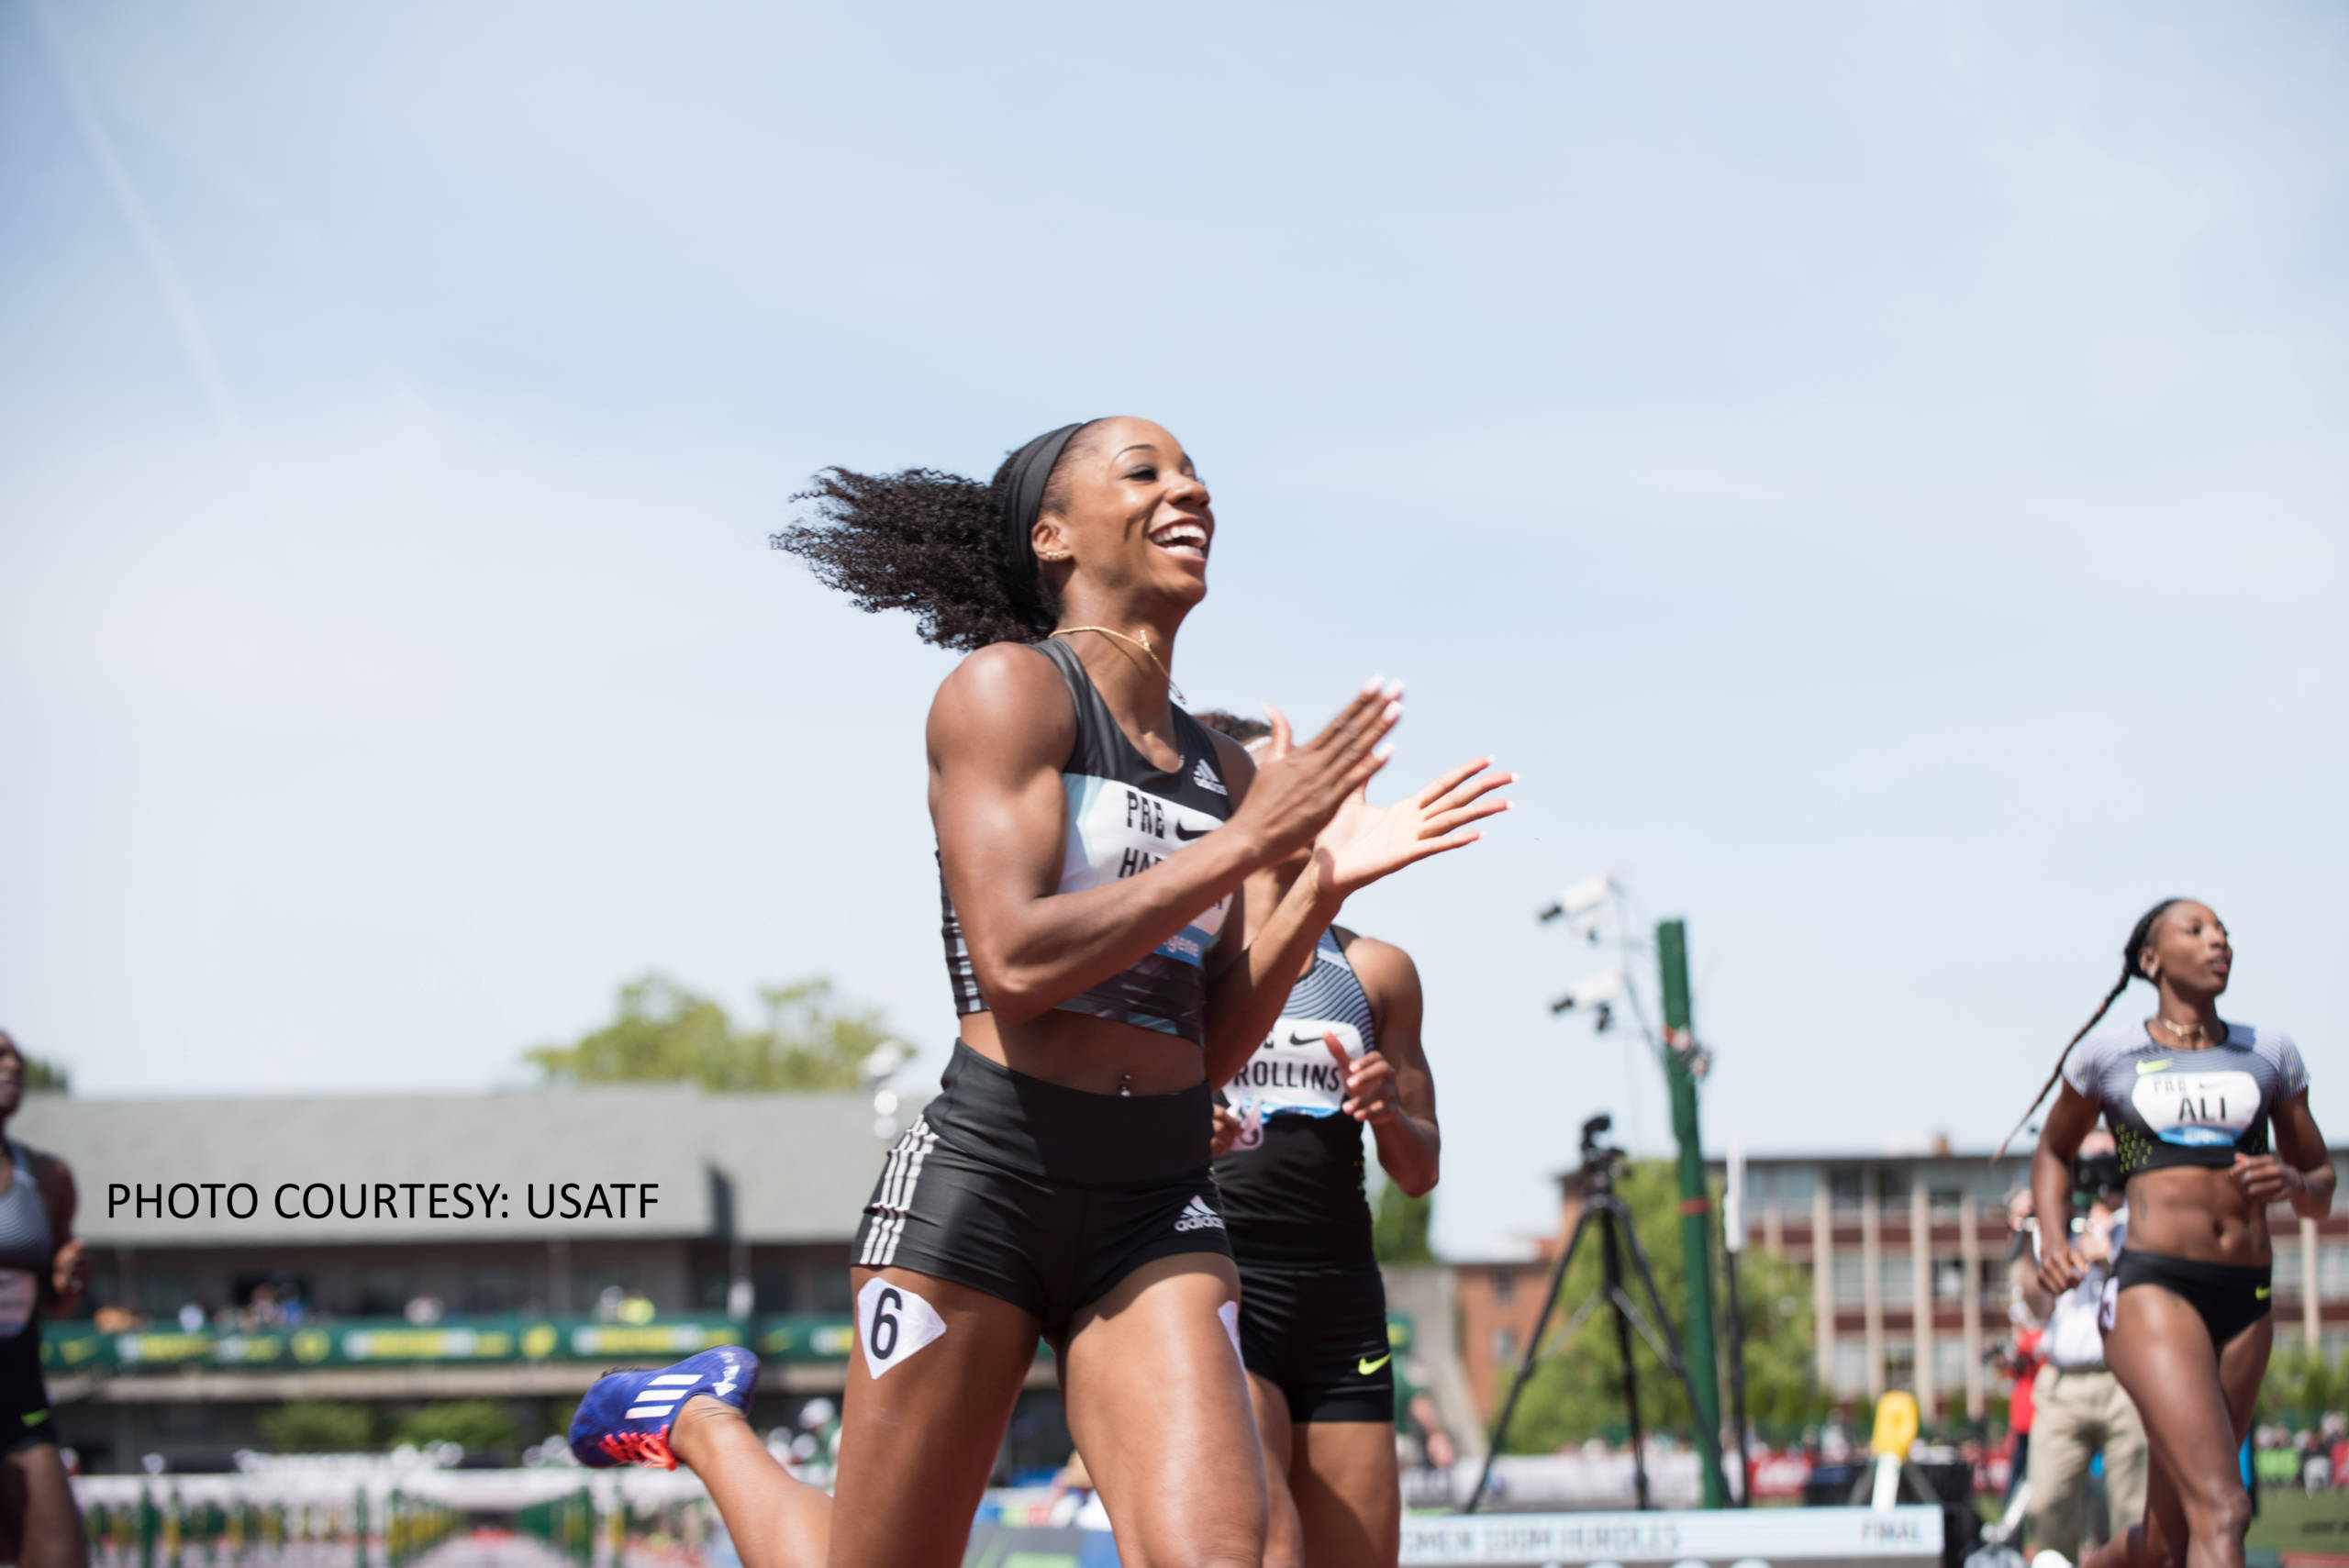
column 1107, row 968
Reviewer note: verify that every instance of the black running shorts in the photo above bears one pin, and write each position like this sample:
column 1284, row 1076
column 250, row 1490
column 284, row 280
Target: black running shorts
column 1040, row 1195
column 1319, row 1334
column 2229, row 1297
column 25, row 1420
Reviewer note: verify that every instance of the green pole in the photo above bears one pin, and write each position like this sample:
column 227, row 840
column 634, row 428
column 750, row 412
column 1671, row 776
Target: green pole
column 1696, row 1238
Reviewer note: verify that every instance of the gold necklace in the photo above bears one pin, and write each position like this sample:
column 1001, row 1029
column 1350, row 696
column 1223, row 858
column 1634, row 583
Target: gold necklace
column 2181, row 1031
column 1141, row 642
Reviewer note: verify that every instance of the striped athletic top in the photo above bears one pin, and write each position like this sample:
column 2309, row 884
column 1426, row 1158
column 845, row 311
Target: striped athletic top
column 1294, row 1179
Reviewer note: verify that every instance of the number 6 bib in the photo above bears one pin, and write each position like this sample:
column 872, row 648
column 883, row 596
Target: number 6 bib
column 892, row 1323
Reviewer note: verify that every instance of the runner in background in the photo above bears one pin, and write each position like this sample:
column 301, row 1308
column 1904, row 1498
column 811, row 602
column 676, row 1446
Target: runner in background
column 41, row 1269
column 1345, row 1053
column 2193, row 1101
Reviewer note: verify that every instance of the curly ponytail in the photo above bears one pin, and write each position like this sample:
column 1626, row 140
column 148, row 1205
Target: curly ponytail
column 929, row 542
column 2132, row 956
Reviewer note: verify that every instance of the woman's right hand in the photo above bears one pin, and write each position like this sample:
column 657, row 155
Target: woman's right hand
column 1298, row 788
column 2060, row 1268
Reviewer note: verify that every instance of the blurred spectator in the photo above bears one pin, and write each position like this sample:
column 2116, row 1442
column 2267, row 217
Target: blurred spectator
column 1835, row 1438
column 423, row 1311
column 191, row 1317
column 1424, row 1425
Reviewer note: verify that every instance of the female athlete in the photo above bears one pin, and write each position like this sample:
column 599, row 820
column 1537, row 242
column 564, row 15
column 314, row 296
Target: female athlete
column 1108, row 965
column 1344, row 1052
column 2191, row 1100
column 41, row 1266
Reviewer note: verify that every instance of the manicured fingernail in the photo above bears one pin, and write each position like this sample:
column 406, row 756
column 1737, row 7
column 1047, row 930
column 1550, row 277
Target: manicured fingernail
column 1394, row 688
column 1393, row 711
column 1383, row 751
column 1373, row 684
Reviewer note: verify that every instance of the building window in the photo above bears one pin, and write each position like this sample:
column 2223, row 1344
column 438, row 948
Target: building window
column 2288, row 1269
column 1899, row 1364
column 491, row 1288
column 1504, row 1286
column 2333, row 1269
column 832, row 1293
column 1949, row 1279
column 1851, row 1280
column 1851, row 1366
column 1796, row 1185
column 1949, row 1364
column 1843, row 1187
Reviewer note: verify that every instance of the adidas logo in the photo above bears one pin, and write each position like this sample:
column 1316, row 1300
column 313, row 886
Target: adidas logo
column 1205, row 777
column 1197, row 1216
column 662, row 1394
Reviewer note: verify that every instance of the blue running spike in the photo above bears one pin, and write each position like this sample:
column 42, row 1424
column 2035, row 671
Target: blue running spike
column 625, row 1416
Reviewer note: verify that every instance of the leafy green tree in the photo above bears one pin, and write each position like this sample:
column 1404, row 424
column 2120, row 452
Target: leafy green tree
column 1577, row 1389
column 2301, row 1383
column 665, row 1032
column 319, row 1425
column 42, row 1074
column 481, row 1426
column 1399, row 1226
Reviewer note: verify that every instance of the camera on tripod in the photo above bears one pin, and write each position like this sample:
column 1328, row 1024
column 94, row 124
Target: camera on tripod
column 1594, row 1153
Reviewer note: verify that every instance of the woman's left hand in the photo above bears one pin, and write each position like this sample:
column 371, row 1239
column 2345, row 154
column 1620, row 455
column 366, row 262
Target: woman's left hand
column 1364, row 843
column 2264, row 1179
column 70, row 1274
column 1370, row 1083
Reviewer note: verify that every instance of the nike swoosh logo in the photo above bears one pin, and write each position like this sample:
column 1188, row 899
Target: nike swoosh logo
column 1305, row 1039
column 1186, row 834
column 2145, row 1067
column 1367, row 1367
column 2260, row 1293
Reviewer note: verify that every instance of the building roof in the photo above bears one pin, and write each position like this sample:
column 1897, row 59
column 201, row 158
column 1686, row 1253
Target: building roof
column 778, row 1167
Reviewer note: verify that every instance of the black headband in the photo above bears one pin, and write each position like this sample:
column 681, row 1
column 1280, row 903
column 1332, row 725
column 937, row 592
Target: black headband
column 1023, row 498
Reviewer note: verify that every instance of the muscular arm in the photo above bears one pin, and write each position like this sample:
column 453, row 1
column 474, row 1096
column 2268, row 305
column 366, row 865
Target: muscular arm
column 1000, row 729
column 70, row 1273
column 2302, row 1148
column 1410, row 1145
column 2068, row 1121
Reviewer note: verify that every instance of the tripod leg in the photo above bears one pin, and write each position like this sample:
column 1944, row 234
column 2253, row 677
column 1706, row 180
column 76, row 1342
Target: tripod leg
column 1709, row 1436
column 1611, row 1258
column 1526, row 1364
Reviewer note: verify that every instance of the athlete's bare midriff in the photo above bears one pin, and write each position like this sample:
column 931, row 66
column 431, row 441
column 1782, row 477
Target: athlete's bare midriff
column 2198, row 1212
column 1077, row 1051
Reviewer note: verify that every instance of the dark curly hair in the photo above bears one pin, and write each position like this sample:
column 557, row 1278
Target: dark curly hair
column 1240, row 729
column 929, row 542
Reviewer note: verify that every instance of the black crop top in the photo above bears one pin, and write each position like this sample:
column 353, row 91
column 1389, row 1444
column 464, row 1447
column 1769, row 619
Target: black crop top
column 1124, row 817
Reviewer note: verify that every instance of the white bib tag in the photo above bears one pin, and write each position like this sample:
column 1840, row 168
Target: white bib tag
column 20, row 1295
column 892, row 1323
column 2197, row 1109
column 1230, row 1313
column 1294, row 1070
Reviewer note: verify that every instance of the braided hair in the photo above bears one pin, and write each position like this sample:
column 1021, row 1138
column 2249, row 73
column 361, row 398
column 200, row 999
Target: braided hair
column 2132, row 956
column 930, row 542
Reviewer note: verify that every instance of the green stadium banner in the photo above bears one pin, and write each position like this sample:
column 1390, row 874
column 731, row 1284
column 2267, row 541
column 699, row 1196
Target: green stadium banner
column 71, row 1347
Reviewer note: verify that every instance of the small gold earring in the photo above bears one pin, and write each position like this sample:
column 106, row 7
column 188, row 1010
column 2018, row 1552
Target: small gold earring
column 1058, row 555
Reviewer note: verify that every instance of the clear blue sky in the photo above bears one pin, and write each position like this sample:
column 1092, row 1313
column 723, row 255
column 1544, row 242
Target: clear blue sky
column 1878, row 470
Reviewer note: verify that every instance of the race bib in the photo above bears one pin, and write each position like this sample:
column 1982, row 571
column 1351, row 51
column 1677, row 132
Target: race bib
column 19, row 1297
column 1293, row 1072
column 2197, row 1110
